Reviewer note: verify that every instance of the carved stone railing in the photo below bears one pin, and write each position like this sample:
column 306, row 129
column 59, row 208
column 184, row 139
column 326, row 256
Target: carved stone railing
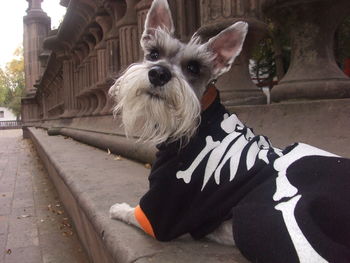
column 6, row 125
column 98, row 39
column 311, row 25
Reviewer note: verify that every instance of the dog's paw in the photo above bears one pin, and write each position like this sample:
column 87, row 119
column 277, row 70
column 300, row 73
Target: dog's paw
column 120, row 211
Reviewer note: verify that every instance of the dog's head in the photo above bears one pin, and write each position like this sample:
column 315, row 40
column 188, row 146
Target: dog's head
column 160, row 98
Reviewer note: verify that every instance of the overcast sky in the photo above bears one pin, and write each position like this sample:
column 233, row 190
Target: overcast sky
column 11, row 24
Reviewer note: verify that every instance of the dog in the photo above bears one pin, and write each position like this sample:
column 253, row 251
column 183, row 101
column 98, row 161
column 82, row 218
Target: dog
column 213, row 177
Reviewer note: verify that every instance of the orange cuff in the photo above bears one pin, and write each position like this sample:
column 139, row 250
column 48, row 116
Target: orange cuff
column 143, row 221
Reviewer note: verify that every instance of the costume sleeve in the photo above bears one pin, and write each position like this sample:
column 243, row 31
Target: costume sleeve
column 143, row 221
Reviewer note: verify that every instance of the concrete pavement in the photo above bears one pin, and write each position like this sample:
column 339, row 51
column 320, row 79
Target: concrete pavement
column 34, row 227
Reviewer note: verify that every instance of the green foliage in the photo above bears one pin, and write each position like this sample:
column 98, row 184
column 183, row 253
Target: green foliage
column 3, row 88
column 265, row 67
column 275, row 46
column 12, row 83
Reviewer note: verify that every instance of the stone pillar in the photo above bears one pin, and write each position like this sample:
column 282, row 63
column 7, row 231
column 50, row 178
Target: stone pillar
column 186, row 18
column 36, row 28
column 105, row 55
column 111, row 27
column 91, row 91
column 236, row 86
column 128, row 35
column 142, row 8
column 101, row 77
column 70, row 104
column 313, row 72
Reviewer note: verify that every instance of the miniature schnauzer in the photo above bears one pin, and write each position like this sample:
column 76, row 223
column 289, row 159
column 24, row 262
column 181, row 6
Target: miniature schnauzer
column 212, row 176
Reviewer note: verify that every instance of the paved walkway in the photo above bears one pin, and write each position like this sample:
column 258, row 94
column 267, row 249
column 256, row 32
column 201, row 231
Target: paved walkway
column 34, row 227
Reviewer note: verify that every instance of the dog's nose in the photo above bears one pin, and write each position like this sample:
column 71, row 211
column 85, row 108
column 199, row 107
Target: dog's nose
column 159, row 75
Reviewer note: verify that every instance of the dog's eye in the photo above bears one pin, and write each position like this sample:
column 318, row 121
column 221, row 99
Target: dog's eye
column 194, row 67
column 153, row 55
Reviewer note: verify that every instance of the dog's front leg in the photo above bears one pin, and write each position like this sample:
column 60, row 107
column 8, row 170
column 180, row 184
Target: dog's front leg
column 123, row 212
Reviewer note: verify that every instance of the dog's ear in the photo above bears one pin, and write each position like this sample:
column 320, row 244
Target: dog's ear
column 159, row 15
column 226, row 46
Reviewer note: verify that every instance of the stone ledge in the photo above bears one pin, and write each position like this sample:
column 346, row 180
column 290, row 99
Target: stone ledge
column 321, row 123
column 89, row 181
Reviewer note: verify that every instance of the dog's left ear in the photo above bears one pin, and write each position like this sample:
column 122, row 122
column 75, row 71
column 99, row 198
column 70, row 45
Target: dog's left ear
column 226, row 46
column 158, row 16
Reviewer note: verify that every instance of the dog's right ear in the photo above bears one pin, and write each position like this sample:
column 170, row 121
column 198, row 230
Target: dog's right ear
column 159, row 15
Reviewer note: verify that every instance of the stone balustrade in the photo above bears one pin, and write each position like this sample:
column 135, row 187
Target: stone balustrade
column 100, row 38
column 313, row 72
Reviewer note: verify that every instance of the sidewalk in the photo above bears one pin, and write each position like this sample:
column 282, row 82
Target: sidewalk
column 34, row 227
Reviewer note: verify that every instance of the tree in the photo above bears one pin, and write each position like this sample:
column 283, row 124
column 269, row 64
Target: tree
column 12, row 83
column 271, row 56
column 3, row 88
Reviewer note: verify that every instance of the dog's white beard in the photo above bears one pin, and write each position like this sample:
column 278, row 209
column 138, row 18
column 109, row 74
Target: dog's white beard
column 174, row 115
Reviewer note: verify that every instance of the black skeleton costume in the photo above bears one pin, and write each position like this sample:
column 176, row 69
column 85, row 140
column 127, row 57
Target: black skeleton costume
column 286, row 206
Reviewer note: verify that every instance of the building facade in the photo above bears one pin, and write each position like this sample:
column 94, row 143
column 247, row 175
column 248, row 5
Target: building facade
column 6, row 114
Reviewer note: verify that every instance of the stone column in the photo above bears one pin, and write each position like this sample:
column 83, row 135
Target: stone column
column 186, row 18
column 36, row 28
column 91, row 91
column 236, row 86
column 313, row 72
column 99, row 34
column 70, row 104
column 111, row 27
column 128, row 35
column 142, row 8
column 101, row 77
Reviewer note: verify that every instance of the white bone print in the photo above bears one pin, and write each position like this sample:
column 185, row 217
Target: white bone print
column 305, row 251
column 187, row 174
column 284, row 189
column 215, row 157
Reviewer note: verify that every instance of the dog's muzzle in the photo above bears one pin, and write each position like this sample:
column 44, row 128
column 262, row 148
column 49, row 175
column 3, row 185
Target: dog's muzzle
column 159, row 75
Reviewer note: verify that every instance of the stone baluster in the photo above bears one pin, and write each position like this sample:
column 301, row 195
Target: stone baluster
column 128, row 35
column 80, row 78
column 102, row 63
column 142, row 8
column 108, row 58
column 86, row 78
column 91, row 91
column 76, row 85
column 313, row 72
column 100, row 68
column 69, row 90
column 186, row 18
column 236, row 86
column 101, row 77
column 113, row 66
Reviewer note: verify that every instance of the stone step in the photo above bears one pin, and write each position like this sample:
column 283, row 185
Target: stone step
column 89, row 181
